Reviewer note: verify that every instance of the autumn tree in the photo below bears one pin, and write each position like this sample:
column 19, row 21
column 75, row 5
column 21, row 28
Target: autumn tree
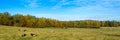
column 29, row 20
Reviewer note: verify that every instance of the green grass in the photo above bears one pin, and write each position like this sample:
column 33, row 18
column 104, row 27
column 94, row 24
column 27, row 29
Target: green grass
column 105, row 33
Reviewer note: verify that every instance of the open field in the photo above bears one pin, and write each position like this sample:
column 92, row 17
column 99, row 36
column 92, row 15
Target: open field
column 13, row 33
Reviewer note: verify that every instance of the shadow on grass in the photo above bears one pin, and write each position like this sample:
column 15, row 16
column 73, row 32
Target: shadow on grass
column 116, row 35
column 25, row 38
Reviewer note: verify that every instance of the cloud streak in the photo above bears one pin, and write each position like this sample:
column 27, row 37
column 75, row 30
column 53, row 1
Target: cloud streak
column 83, row 3
column 72, row 3
column 73, row 9
column 31, row 3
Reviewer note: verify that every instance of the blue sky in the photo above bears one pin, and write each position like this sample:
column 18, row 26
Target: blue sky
column 65, row 9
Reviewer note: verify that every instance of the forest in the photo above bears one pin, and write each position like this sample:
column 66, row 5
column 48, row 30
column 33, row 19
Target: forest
column 20, row 20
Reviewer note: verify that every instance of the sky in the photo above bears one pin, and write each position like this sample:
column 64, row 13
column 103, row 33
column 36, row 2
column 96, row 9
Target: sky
column 64, row 9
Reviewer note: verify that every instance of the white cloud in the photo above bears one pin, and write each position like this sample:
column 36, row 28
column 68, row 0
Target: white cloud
column 85, row 11
column 61, row 3
column 84, row 3
column 31, row 3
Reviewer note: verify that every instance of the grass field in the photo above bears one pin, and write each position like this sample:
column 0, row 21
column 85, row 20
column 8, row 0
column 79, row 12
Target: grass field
column 12, row 33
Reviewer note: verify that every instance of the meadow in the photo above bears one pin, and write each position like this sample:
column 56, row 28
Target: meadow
column 103, row 33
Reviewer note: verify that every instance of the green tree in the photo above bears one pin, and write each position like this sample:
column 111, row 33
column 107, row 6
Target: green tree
column 18, row 20
column 5, row 18
column 29, row 20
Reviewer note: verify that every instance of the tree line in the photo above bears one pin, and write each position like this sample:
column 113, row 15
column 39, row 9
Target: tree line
column 35, row 22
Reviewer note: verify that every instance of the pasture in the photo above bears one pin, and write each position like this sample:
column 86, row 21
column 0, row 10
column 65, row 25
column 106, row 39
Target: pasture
column 15, row 33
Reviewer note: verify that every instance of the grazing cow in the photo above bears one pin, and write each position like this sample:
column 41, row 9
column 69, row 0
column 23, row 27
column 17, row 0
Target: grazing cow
column 33, row 34
column 25, row 30
column 23, row 35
